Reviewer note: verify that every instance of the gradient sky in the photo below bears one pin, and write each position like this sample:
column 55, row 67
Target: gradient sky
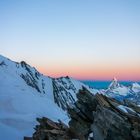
column 85, row 39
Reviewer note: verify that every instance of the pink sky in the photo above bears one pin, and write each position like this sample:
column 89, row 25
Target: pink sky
column 90, row 73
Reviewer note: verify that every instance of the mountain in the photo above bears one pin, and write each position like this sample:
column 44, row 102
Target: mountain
column 116, row 90
column 26, row 94
column 121, row 92
column 114, row 84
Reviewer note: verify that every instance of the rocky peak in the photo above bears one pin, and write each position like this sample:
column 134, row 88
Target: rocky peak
column 114, row 84
column 23, row 64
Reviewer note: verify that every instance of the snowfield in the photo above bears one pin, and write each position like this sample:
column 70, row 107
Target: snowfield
column 21, row 104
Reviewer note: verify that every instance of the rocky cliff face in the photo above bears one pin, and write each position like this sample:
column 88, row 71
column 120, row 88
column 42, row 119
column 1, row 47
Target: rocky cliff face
column 62, row 88
column 97, row 117
column 65, row 90
column 108, row 118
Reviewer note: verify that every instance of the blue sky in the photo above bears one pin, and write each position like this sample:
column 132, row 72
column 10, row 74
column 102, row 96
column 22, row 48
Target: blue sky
column 86, row 39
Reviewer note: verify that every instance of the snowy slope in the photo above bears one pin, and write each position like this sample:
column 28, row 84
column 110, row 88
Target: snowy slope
column 25, row 94
column 135, row 87
column 20, row 103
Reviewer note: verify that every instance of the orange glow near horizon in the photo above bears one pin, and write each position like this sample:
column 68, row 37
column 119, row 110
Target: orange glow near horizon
column 99, row 73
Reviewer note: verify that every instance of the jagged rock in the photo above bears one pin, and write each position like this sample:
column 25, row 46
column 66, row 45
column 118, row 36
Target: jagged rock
column 114, row 84
column 104, row 117
column 109, row 125
column 49, row 130
column 81, row 114
column 62, row 96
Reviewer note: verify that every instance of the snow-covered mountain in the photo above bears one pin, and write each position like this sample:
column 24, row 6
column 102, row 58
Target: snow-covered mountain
column 26, row 94
column 114, row 84
column 116, row 89
column 120, row 92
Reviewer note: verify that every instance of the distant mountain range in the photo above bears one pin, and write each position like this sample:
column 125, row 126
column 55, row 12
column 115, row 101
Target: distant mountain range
column 120, row 92
column 26, row 94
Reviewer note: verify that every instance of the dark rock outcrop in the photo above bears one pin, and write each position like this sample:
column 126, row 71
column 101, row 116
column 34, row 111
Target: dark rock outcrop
column 94, row 117
column 49, row 130
column 103, row 117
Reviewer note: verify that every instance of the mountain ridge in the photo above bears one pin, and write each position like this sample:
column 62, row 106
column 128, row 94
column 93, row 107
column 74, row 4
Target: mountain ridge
column 26, row 94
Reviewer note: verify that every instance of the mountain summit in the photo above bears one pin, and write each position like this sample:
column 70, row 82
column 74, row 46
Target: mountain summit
column 114, row 84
